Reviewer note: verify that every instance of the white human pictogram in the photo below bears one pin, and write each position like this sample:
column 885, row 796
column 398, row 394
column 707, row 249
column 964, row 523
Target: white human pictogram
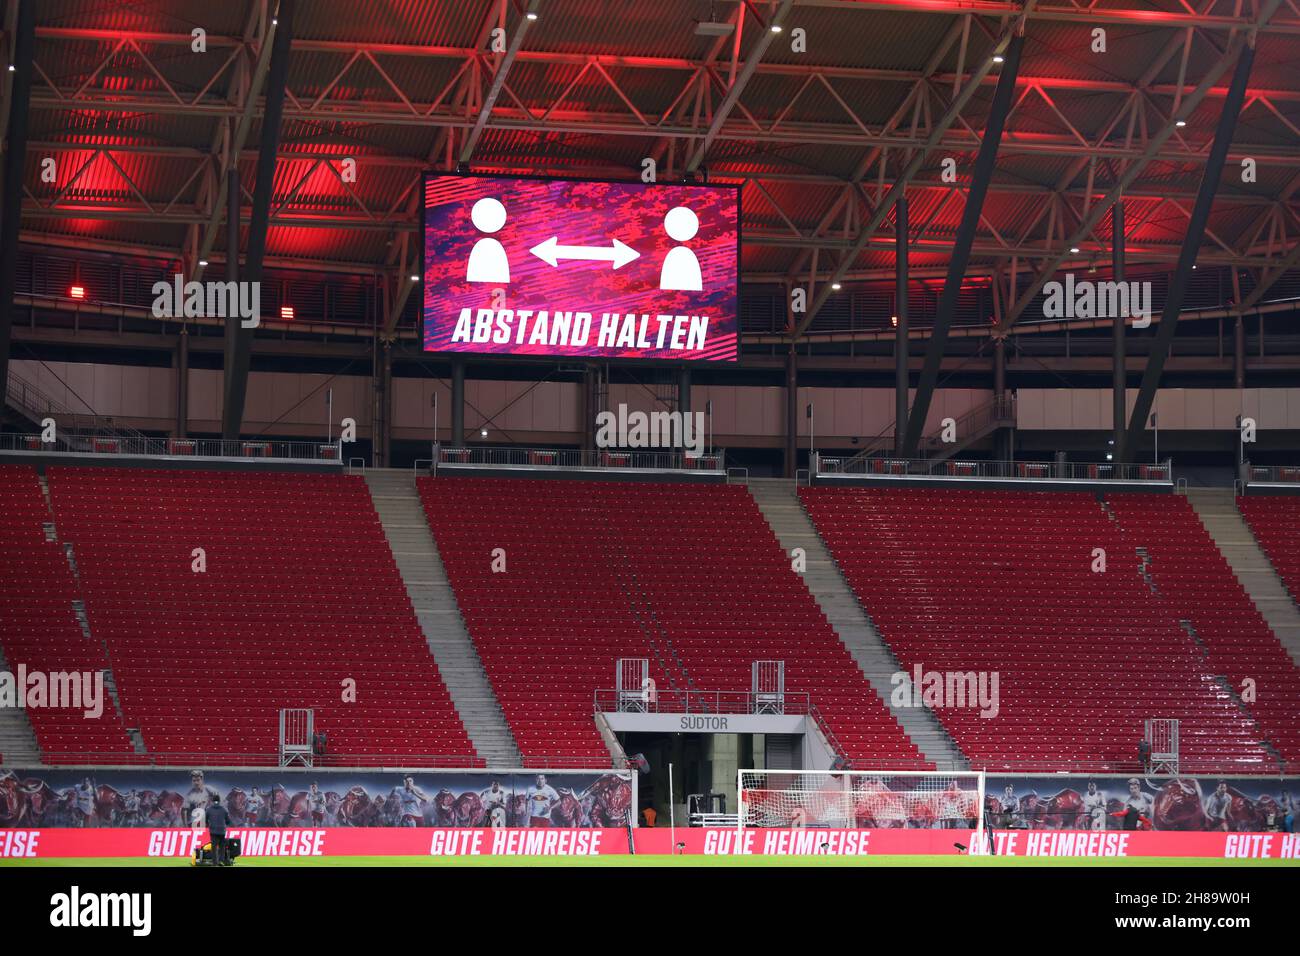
column 487, row 260
column 681, row 270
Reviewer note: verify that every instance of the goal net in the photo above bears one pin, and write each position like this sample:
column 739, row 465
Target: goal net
column 846, row 799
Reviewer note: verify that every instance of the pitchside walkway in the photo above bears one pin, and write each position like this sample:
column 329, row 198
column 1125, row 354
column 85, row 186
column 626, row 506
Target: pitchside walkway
column 398, row 504
column 779, row 503
column 1217, row 510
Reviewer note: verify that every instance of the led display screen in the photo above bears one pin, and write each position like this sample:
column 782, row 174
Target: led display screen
column 569, row 268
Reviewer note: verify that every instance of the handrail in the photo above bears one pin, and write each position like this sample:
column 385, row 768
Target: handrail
column 25, row 396
column 794, row 703
column 605, row 459
column 1270, row 474
column 124, row 446
column 827, row 733
column 910, row 468
column 995, row 409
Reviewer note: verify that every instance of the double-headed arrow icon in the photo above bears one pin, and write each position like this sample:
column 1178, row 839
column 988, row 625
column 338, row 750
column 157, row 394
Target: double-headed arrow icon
column 551, row 252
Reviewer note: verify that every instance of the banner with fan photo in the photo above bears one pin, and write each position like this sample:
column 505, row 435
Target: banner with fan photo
column 254, row 797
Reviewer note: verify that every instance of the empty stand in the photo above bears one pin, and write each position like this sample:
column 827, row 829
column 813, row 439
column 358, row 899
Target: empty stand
column 1198, row 586
column 689, row 576
column 963, row 580
column 299, row 595
column 38, row 628
column 1275, row 521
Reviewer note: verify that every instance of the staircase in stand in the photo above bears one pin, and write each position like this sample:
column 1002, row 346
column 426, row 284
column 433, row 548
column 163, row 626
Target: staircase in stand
column 777, row 499
column 1217, row 509
column 977, row 423
column 18, row 747
column 397, row 502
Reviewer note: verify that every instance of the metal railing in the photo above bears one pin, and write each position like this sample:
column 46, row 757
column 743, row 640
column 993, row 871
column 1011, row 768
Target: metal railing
column 1005, row 470
column 31, row 401
column 1117, row 767
column 189, row 760
column 80, row 443
column 510, row 456
column 826, row 732
column 974, row 422
column 795, row 703
column 1271, row 474
column 207, row 759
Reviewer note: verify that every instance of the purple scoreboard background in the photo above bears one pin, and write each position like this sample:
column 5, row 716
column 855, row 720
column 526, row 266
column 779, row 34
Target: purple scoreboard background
column 568, row 268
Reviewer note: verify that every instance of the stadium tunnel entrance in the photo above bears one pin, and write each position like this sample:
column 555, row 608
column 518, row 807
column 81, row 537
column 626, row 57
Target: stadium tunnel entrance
column 703, row 763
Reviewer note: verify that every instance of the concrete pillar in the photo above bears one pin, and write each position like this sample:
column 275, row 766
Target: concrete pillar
column 381, row 437
column 182, row 383
column 457, row 403
column 791, row 413
column 724, row 759
column 589, row 407
column 900, row 331
column 1239, row 352
column 1118, row 371
column 1002, row 438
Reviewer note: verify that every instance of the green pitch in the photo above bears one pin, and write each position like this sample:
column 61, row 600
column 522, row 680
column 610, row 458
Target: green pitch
column 669, row 861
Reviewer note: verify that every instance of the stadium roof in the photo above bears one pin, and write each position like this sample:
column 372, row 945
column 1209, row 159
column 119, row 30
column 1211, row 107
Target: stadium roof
column 142, row 126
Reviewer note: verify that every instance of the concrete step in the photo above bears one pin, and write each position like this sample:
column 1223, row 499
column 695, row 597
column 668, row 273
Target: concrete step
column 1217, row 509
column 778, row 501
column 18, row 746
column 398, row 505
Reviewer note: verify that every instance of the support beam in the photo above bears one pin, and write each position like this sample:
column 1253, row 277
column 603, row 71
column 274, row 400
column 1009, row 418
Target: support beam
column 1239, row 351
column 999, row 369
column 1118, row 371
column 232, row 268
column 236, row 372
column 941, row 126
column 1184, row 109
column 900, row 331
column 183, row 383
column 1191, row 244
column 970, row 218
column 587, row 407
column 684, row 389
column 1267, row 281
column 382, row 437
column 15, row 161
column 457, row 439
column 247, row 112
column 1003, row 437
column 738, row 86
column 498, row 81
column 791, row 412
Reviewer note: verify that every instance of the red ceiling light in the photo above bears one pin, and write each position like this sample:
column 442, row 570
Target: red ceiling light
column 286, row 312
column 77, row 292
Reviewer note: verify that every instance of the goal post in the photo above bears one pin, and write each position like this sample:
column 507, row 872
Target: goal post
column 868, row 799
